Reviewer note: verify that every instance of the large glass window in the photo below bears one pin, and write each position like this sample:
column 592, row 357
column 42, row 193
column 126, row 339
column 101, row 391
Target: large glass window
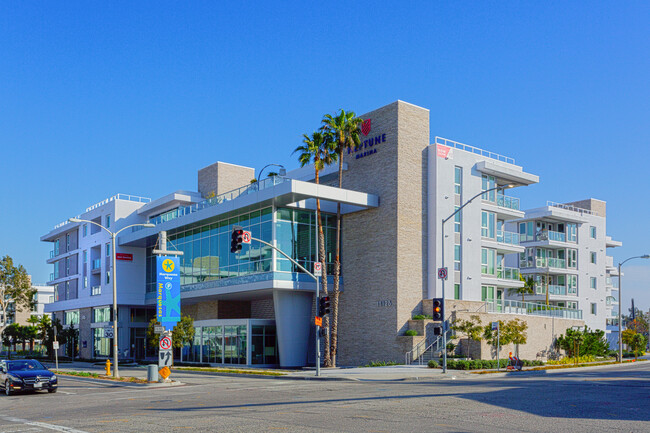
column 457, row 220
column 592, row 232
column 458, row 180
column 71, row 318
column 101, row 344
column 526, row 232
column 572, row 233
column 488, row 220
column 102, row 314
column 212, row 344
column 234, row 346
column 206, row 249
column 572, row 284
column 572, row 258
column 488, row 261
column 487, row 293
column 489, row 182
column 264, row 348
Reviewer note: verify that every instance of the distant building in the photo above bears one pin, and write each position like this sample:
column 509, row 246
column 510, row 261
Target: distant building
column 44, row 295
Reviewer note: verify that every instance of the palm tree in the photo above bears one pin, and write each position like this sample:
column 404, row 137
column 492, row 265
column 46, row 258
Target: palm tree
column 319, row 149
column 527, row 289
column 345, row 128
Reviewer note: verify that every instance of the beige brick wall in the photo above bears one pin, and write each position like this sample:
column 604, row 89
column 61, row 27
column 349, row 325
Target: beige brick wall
column 222, row 177
column 541, row 333
column 207, row 310
column 384, row 250
column 262, row 309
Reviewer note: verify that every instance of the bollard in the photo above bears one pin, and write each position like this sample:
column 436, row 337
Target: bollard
column 108, row 367
column 152, row 373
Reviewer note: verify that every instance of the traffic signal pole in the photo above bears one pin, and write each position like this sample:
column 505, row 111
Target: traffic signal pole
column 317, row 293
column 442, row 256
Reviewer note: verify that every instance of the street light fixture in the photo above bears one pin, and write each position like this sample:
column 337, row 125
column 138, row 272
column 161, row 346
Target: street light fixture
column 116, row 372
column 620, row 305
column 283, row 171
column 444, row 322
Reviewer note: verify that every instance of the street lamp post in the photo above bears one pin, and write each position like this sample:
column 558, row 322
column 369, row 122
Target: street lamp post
column 620, row 305
column 283, row 171
column 444, row 321
column 116, row 372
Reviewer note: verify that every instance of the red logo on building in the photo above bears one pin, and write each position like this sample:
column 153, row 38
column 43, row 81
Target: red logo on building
column 365, row 127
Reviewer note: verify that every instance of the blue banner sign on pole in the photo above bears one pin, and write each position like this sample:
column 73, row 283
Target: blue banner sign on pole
column 169, row 291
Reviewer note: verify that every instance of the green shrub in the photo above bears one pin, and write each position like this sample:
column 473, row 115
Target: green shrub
column 381, row 363
column 567, row 360
column 422, row 317
column 411, row 333
column 434, row 364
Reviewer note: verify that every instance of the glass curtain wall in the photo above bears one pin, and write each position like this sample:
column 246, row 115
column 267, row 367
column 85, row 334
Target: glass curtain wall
column 206, row 249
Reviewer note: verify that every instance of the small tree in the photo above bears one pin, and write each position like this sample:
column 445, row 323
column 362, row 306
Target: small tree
column 512, row 331
column 182, row 333
column 471, row 328
column 15, row 289
column 527, row 289
column 635, row 341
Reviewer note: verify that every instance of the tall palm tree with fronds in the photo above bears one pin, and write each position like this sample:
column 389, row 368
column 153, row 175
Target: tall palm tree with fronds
column 527, row 289
column 345, row 128
column 319, row 149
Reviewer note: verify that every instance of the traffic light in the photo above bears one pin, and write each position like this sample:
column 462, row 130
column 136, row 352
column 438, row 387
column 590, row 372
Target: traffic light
column 324, row 306
column 438, row 310
column 237, row 238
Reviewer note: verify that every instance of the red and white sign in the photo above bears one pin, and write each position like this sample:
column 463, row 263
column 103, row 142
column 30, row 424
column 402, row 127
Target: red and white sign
column 442, row 273
column 443, row 151
column 318, row 269
column 124, row 256
column 246, row 237
column 165, row 343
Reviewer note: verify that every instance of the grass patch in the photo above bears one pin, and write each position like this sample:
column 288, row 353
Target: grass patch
column 98, row 376
column 229, row 370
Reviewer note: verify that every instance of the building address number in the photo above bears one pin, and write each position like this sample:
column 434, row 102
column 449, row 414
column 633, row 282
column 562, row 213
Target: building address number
column 385, row 303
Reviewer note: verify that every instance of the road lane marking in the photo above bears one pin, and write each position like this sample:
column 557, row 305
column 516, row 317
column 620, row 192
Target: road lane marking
column 41, row 424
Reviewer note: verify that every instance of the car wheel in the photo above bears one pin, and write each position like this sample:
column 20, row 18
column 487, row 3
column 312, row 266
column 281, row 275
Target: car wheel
column 51, row 390
column 7, row 389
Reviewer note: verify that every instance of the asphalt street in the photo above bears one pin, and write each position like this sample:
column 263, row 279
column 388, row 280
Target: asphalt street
column 578, row 400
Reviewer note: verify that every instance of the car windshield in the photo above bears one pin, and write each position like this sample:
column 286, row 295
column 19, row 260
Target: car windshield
column 24, row 365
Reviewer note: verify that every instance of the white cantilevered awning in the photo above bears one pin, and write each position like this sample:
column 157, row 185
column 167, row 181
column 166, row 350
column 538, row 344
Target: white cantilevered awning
column 286, row 192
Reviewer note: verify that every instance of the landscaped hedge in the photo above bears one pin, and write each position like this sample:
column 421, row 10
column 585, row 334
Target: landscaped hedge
column 481, row 364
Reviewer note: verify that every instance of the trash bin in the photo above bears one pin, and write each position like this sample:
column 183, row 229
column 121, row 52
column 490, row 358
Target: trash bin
column 152, row 373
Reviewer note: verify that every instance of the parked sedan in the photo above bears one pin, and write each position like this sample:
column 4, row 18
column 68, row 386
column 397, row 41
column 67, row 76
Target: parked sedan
column 26, row 375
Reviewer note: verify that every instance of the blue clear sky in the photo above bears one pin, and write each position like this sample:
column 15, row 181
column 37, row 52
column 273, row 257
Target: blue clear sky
column 135, row 97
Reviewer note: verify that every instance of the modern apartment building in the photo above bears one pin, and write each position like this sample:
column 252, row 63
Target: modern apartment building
column 255, row 307
column 566, row 254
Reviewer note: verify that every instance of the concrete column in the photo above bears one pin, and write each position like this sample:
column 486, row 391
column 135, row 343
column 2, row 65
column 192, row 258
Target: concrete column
column 292, row 321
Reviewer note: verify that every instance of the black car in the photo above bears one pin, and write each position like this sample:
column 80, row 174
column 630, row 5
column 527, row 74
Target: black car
column 26, row 375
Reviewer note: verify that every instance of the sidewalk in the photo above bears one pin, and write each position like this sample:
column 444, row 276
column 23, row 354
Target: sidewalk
column 392, row 373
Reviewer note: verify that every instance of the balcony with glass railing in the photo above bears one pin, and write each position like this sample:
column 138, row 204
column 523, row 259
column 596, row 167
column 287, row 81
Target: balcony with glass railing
column 96, row 264
column 95, row 290
column 550, row 262
column 554, row 289
column 531, row 308
column 506, row 237
column 221, row 198
column 507, row 202
column 506, row 273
